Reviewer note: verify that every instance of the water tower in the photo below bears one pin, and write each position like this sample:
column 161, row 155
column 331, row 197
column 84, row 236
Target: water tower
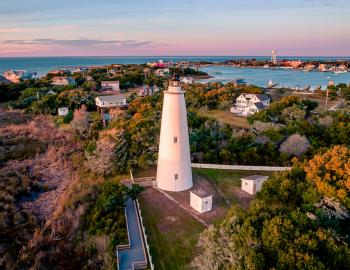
column 174, row 162
column 274, row 57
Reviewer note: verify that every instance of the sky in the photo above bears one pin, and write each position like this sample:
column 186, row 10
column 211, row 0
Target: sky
column 178, row 27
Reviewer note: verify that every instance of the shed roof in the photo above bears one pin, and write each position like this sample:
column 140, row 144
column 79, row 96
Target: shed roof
column 201, row 193
column 255, row 177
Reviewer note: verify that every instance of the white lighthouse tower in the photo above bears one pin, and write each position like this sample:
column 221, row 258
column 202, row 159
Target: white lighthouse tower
column 174, row 161
column 274, row 57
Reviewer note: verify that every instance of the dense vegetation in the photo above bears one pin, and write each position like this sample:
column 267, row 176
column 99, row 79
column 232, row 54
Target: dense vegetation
column 299, row 220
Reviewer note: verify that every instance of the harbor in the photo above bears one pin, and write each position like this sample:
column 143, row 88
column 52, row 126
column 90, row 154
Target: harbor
column 288, row 78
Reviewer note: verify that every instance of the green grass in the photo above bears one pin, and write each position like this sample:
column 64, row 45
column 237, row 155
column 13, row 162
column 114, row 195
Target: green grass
column 172, row 245
column 225, row 117
column 225, row 180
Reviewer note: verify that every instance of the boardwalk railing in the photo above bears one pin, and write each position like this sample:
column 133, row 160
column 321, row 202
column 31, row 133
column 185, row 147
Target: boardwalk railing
column 241, row 167
column 143, row 230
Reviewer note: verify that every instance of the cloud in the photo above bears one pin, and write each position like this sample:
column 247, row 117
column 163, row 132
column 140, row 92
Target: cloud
column 85, row 42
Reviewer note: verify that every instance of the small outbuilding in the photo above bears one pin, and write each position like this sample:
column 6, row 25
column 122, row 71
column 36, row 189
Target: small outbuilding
column 63, row 111
column 252, row 184
column 201, row 201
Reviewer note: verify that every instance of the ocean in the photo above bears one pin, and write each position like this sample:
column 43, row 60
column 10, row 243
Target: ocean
column 260, row 77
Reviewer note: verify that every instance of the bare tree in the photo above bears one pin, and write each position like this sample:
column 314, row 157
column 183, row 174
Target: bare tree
column 295, row 145
column 80, row 122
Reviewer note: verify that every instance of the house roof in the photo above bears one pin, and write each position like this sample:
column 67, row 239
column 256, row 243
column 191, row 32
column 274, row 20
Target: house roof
column 262, row 97
column 69, row 79
column 259, row 105
column 201, row 193
column 109, row 82
column 3, row 80
column 255, row 177
column 112, row 98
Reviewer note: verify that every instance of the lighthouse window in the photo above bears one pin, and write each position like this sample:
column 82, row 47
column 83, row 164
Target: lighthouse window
column 175, row 140
column 176, row 176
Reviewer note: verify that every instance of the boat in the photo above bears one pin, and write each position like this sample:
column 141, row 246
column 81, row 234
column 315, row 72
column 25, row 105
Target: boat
column 340, row 71
column 271, row 84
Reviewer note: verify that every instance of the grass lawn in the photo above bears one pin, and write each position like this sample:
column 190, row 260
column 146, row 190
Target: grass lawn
column 225, row 117
column 172, row 233
column 226, row 181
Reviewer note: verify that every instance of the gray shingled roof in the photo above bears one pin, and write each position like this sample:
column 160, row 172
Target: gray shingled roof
column 112, row 98
column 262, row 97
column 259, row 105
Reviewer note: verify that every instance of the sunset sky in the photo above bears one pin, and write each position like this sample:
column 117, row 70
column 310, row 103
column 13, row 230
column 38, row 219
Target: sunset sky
column 181, row 27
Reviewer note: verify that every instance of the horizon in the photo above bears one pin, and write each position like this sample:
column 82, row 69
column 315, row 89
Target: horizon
column 184, row 28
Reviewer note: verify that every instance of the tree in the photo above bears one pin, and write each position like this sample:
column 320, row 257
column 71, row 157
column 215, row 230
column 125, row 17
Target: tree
column 293, row 113
column 295, row 145
column 80, row 122
column 330, row 173
column 101, row 160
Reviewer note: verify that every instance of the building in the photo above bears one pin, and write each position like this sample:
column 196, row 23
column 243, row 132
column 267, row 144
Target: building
column 187, row 80
column 111, row 101
column 174, row 161
column 16, row 76
column 201, row 201
column 110, row 106
column 247, row 104
column 110, row 86
column 252, row 184
column 274, row 57
column 3, row 80
column 63, row 111
column 239, row 82
column 62, row 81
column 162, row 72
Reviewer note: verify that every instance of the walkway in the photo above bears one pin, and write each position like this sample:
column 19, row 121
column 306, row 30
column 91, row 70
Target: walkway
column 135, row 255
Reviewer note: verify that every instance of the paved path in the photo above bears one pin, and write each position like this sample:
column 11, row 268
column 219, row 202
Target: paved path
column 136, row 252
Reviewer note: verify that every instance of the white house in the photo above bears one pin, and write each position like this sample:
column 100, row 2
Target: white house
column 187, row 80
column 110, row 86
column 63, row 81
column 63, row 111
column 162, row 72
column 17, row 75
column 110, row 102
column 201, row 201
column 247, row 104
column 252, row 184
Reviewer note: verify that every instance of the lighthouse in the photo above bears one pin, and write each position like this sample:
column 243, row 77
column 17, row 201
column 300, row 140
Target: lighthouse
column 274, row 57
column 174, row 161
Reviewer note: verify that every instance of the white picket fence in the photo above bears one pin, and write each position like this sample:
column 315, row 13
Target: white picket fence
column 241, row 167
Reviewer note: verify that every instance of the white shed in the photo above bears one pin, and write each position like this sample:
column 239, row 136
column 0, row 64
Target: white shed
column 201, row 201
column 63, row 111
column 252, row 184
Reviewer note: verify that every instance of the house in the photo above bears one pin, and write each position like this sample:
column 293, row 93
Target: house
column 63, row 81
column 201, row 200
column 187, row 80
column 110, row 86
column 162, row 72
column 3, row 80
column 18, row 75
column 111, row 101
column 50, row 92
column 239, row 82
column 63, row 111
column 252, row 184
column 247, row 104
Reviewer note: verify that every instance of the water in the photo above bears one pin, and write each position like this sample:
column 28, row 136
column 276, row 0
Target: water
column 260, row 77
column 283, row 77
